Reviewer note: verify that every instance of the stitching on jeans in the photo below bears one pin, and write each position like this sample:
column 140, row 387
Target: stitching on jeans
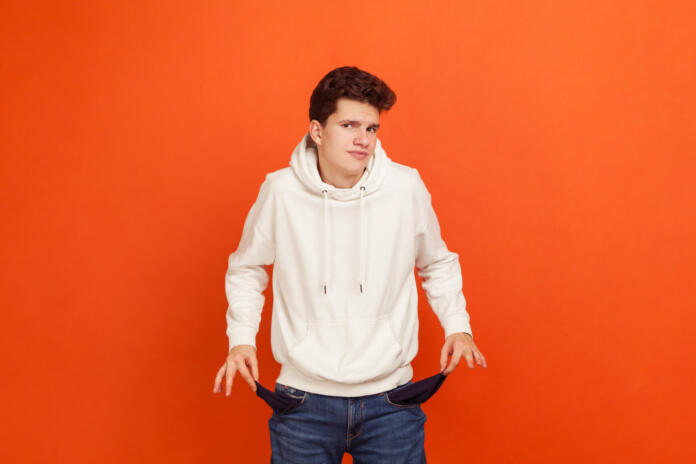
column 292, row 395
column 348, row 424
column 301, row 402
column 284, row 392
column 362, row 423
column 362, row 418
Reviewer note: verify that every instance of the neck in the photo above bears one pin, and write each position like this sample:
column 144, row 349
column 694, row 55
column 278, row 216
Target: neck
column 337, row 179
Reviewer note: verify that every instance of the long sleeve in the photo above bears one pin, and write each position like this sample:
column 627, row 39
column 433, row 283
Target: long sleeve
column 246, row 278
column 438, row 267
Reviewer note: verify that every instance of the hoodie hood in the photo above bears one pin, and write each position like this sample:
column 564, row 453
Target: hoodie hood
column 304, row 164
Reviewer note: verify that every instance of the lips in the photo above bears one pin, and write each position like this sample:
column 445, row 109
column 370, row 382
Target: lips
column 359, row 154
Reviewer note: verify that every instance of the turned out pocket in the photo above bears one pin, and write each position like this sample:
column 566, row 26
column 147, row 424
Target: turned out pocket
column 349, row 351
column 282, row 400
column 413, row 394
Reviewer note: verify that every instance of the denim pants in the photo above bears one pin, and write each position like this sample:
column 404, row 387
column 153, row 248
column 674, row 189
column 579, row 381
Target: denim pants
column 387, row 427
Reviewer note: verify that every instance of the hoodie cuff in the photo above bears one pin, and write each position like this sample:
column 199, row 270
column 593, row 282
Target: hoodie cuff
column 457, row 323
column 241, row 336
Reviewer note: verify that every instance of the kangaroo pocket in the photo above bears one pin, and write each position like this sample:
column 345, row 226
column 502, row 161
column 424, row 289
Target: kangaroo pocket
column 349, row 351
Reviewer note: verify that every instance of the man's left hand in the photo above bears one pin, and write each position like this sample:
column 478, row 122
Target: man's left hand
column 460, row 344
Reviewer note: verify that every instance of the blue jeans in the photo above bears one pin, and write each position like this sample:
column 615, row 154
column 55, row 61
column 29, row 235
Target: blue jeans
column 387, row 427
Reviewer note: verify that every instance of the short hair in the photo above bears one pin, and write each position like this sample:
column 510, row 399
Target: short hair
column 351, row 83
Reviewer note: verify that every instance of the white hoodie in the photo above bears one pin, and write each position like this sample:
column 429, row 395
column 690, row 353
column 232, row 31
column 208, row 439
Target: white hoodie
column 345, row 300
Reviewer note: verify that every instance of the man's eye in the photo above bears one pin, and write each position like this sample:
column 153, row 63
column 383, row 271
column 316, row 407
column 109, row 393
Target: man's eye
column 374, row 129
column 346, row 124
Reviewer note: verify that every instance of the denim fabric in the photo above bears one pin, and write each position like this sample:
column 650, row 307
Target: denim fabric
column 387, row 427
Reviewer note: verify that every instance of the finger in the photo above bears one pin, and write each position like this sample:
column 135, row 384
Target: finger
column 453, row 362
column 254, row 367
column 244, row 372
column 483, row 358
column 231, row 370
column 218, row 379
column 444, row 354
column 469, row 359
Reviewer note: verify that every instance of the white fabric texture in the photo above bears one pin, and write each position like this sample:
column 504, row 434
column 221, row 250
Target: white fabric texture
column 345, row 301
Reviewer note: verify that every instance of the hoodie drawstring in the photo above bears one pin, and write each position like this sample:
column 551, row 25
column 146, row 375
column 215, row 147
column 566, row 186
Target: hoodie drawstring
column 363, row 242
column 326, row 239
column 362, row 283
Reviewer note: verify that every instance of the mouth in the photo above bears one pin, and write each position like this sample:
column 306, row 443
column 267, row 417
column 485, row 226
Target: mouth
column 361, row 155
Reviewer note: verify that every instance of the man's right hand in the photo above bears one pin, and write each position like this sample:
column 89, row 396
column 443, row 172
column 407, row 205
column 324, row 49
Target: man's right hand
column 240, row 358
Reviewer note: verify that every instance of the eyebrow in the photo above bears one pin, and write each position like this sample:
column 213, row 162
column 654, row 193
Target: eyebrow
column 356, row 122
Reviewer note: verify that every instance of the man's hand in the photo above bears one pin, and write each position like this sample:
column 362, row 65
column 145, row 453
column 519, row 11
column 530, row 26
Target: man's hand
column 238, row 359
column 460, row 344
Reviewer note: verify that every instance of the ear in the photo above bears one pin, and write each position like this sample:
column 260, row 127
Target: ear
column 315, row 131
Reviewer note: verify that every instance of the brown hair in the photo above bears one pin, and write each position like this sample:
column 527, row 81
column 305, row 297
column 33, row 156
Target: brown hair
column 352, row 83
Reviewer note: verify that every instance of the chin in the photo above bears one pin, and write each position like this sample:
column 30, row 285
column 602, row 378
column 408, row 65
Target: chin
column 360, row 165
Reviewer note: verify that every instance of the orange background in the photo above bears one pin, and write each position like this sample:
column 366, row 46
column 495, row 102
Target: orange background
column 557, row 140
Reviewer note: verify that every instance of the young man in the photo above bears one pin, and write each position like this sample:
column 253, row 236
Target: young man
column 344, row 226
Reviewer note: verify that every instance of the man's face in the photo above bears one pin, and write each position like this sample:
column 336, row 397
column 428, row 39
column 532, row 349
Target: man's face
column 348, row 140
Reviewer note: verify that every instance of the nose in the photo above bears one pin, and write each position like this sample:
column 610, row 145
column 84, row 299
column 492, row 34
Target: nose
column 361, row 139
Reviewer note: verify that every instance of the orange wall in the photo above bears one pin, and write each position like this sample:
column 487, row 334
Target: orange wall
column 557, row 140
